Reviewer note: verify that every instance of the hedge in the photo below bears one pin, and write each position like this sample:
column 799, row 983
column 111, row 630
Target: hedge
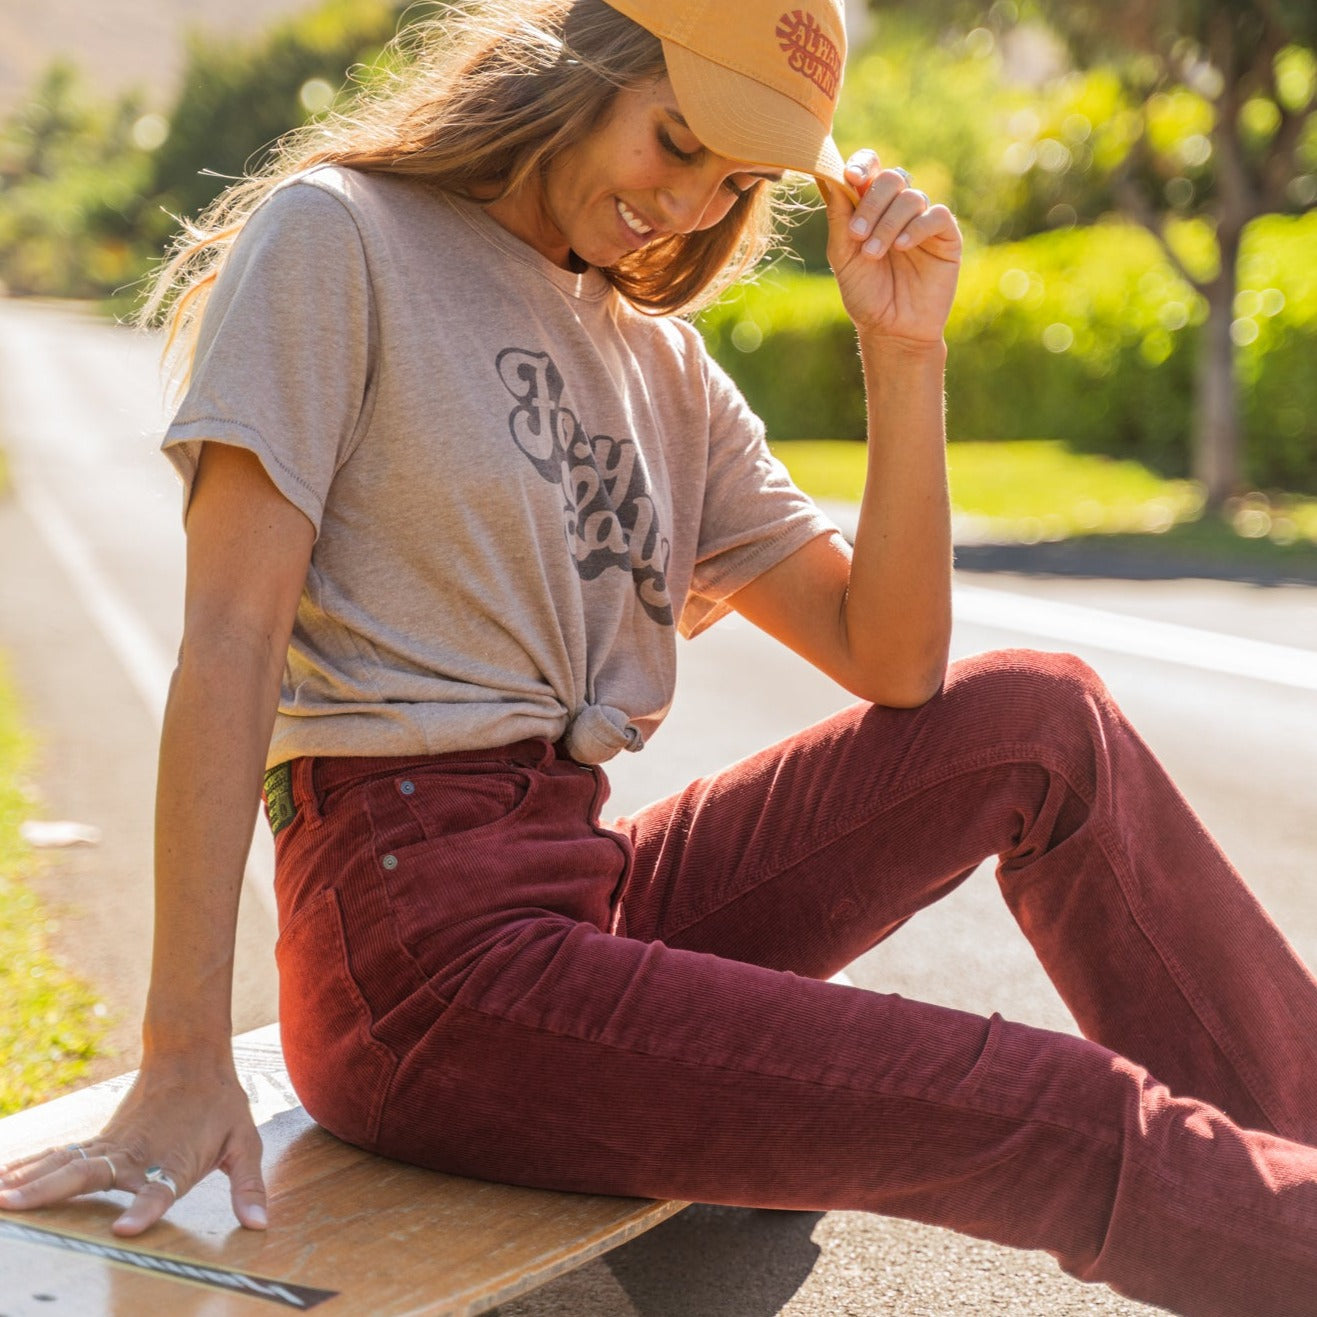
column 1086, row 335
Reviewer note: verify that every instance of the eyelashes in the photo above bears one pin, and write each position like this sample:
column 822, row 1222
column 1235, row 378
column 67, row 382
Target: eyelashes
column 689, row 157
column 666, row 142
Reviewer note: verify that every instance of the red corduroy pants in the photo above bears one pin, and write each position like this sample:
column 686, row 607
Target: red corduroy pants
column 478, row 975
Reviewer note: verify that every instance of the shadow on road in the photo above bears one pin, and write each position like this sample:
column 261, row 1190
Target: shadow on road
column 1134, row 558
column 731, row 1261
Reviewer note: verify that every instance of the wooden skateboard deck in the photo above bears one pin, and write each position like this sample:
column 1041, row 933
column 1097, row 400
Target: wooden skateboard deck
column 350, row 1233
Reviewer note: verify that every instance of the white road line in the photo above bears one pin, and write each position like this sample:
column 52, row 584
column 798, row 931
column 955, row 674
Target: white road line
column 145, row 664
column 144, row 661
column 1166, row 642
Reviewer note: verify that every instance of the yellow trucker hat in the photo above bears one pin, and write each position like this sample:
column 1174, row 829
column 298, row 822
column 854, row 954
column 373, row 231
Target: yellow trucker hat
column 756, row 81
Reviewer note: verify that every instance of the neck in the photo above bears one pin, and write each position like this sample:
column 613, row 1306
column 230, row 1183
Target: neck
column 523, row 214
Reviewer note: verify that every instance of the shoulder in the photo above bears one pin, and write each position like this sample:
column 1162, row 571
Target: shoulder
column 334, row 203
column 668, row 337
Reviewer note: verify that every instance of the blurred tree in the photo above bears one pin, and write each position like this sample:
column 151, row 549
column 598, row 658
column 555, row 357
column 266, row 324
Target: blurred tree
column 237, row 98
column 71, row 177
column 88, row 189
column 1214, row 118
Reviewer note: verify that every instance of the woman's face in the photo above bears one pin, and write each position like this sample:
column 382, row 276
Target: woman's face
column 641, row 174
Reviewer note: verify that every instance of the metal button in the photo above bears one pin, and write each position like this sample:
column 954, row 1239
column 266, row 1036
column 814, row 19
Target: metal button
column 407, row 788
column 390, row 861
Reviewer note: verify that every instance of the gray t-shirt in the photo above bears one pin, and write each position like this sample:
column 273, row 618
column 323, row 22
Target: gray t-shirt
column 521, row 487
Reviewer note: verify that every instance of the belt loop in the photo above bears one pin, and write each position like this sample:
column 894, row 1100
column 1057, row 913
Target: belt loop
column 304, row 789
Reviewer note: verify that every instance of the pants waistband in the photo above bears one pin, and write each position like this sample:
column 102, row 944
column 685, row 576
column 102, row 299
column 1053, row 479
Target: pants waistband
column 309, row 778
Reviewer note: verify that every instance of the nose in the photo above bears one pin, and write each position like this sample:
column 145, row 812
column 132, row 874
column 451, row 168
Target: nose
column 695, row 202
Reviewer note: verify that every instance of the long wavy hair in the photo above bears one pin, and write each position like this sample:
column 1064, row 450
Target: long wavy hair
column 481, row 100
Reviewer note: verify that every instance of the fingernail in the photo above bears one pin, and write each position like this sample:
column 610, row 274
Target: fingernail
column 256, row 1216
column 858, row 227
column 874, row 248
column 902, row 241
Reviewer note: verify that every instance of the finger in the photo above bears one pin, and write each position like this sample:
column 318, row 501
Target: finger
column 246, row 1184
column 841, row 201
column 27, row 1170
column 884, row 187
column 39, row 1189
column 40, row 1163
column 906, row 207
column 153, row 1197
column 936, row 224
column 862, row 168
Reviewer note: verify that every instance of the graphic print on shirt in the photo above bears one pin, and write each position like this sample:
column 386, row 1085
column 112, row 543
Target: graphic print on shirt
column 608, row 507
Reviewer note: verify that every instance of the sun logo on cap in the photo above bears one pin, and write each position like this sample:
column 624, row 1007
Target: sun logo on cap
column 810, row 51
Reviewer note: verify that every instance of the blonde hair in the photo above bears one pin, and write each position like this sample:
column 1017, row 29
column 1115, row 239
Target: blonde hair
column 483, row 98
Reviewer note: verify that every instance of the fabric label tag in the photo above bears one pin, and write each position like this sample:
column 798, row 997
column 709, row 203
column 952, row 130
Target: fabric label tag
column 279, row 806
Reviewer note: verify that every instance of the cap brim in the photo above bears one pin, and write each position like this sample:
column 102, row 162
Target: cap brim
column 738, row 117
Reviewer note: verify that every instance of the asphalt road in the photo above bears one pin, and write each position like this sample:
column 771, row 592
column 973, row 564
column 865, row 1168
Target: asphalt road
column 1220, row 676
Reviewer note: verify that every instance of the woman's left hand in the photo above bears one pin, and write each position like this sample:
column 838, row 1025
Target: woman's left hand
column 896, row 256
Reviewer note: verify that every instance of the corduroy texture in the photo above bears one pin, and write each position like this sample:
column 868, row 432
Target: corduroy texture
column 479, row 977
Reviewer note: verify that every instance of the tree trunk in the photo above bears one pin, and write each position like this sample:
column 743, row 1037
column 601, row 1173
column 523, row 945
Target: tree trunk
column 1217, row 437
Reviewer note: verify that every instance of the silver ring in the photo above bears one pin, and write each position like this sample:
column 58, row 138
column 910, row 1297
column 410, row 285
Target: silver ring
column 78, row 1148
column 905, row 173
column 114, row 1175
column 158, row 1175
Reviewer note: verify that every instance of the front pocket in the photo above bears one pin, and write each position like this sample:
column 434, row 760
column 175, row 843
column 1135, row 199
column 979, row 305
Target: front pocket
column 430, row 804
column 338, row 1068
column 446, row 844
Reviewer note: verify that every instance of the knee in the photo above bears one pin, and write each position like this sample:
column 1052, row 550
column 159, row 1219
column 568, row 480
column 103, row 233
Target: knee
column 1033, row 694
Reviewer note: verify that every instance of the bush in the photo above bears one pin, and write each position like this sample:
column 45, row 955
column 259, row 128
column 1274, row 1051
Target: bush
column 789, row 345
column 71, row 186
column 237, row 99
column 88, row 191
column 1087, row 335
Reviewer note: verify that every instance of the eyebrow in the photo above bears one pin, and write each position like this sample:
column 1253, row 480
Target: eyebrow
column 772, row 175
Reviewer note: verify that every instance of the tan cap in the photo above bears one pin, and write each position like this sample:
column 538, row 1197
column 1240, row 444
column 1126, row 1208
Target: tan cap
column 756, row 80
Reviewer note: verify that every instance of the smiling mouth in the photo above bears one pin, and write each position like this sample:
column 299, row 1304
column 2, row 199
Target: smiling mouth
column 633, row 221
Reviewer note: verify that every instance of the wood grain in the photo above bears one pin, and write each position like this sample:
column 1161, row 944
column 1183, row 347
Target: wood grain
column 384, row 1238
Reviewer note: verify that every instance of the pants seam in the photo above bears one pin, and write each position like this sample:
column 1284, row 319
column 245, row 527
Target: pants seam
column 1129, row 890
column 977, row 1108
column 1016, row 753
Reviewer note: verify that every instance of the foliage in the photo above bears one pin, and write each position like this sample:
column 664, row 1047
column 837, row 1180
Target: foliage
column 238, row 99
column 1028, row 488
column 1088, row 336
column 71, row 191
column 48, row 1026
column 787, row 342
column 1034, row 490
column 1214, row 117
column 88, row 192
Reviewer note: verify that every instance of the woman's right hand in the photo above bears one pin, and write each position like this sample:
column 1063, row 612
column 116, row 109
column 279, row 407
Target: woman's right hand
column 181, row 1118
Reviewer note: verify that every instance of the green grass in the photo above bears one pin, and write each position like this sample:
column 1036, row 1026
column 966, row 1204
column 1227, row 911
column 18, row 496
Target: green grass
column 48, row 1019
column 1036, row 489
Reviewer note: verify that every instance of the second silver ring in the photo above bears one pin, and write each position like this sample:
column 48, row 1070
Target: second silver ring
column 158, row 1175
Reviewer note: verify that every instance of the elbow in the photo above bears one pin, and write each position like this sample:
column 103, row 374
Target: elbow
column 903, row 686
column 912, row 696
column 904, row 695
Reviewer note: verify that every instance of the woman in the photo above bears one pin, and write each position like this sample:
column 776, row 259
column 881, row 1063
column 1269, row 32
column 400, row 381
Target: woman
column 455, row 477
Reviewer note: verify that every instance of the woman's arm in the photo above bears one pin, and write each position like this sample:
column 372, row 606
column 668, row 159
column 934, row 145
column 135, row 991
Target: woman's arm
column 877, row 618
column 247, row 558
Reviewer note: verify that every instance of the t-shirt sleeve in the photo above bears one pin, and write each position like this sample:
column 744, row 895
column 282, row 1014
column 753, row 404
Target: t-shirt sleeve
column 753, row 517
column 283, row 365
